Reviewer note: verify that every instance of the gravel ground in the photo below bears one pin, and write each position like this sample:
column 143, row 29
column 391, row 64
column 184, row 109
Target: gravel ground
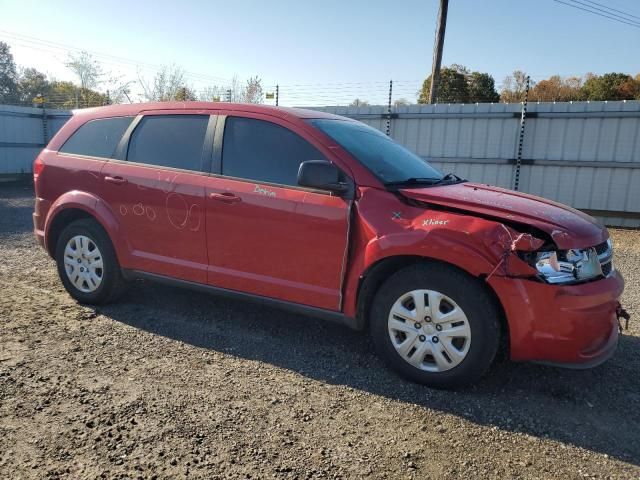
column 173, row 384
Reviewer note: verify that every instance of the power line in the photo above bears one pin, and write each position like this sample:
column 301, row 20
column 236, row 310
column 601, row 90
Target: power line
column 607, row 10
column 113, row 58
column 616, row 19
column 614, row 9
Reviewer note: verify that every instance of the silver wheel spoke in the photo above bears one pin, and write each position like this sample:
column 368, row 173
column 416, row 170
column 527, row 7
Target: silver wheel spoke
column 69, row 252
column 416, row 359
column 399, row 310
column 433, row 336
column 418, row 300
column 95, row 264
column 70, row 261
column 406, row 327
column 441, row 361
column 454, row 332
column 434, row 302
column 455, row 355
column 405, row 347
column 455, row 315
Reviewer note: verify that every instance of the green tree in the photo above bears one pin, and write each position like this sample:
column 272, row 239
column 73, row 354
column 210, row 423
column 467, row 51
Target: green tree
column 610, row 86
column 8, row 75
column 68, row 95
column 453, row 86
column 482, row 88
column 185, row 94
column 31, row 83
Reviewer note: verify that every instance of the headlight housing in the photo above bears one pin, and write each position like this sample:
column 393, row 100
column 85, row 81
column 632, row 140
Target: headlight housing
column 573, row 266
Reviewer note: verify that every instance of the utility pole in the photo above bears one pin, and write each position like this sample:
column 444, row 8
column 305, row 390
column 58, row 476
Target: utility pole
column 437, row 50
column 277, row 94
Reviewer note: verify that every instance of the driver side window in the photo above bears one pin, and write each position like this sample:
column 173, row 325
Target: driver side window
column 263, row 151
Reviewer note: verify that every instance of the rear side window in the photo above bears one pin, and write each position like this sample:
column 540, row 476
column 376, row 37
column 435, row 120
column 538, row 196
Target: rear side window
column 263, row 151
column 174, row 141
column 97, row 138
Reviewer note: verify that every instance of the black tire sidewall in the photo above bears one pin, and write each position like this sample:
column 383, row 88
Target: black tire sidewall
column 468, row 293
column 110, row 269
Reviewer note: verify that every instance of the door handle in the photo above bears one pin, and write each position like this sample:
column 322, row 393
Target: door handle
column 225, row 197
column 115, row 180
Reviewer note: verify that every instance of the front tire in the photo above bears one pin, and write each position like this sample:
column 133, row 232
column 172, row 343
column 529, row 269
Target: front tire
column 435, row 325
column 87, row 263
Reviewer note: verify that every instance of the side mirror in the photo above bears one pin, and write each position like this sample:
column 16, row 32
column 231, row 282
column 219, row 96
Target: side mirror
column 322, row 175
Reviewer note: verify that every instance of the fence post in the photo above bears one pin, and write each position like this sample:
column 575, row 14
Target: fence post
column 389, row 108
column 45, row 125
column 523, row 117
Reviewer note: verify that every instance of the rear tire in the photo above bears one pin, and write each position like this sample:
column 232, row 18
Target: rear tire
column 87, row 263
column 435, row 325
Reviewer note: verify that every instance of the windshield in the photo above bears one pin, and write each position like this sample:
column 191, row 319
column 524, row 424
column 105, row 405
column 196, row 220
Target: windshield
column 387, row 160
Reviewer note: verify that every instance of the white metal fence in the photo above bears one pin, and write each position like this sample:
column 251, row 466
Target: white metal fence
column 24, row 131
column 584, row 154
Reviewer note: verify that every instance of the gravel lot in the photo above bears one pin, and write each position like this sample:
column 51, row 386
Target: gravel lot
column 172, row 384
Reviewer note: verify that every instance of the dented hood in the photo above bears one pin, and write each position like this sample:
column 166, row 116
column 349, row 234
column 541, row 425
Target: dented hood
column 568, row 227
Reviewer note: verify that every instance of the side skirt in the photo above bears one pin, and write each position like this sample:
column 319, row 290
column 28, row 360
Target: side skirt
column 321, row 313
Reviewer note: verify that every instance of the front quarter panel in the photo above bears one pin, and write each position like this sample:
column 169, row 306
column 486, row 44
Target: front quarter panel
column 387, row 227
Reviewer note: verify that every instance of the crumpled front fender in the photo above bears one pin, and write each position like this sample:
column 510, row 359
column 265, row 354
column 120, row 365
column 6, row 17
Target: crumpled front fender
column 479, row 246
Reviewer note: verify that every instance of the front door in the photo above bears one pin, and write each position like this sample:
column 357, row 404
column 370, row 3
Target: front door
column 157, row 192
column 266, row 235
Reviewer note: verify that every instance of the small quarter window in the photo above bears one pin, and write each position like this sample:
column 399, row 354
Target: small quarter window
column 174, row 141
column 97, row 138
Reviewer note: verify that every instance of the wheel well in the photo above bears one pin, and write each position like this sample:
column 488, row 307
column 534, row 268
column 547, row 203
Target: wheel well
column 61, row 220
column 375, row 275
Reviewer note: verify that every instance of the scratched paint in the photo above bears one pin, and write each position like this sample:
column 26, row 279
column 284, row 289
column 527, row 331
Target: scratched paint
column 138, row 209
column 177, row 210
column 151, row 213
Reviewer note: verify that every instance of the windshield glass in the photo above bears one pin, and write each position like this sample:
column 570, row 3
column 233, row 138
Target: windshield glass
column 387, row 160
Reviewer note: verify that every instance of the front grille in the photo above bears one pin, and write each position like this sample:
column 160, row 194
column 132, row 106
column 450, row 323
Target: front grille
column 602, row 248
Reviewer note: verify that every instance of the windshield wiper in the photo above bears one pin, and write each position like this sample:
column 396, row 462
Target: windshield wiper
column 413, row 181
column 450, row 178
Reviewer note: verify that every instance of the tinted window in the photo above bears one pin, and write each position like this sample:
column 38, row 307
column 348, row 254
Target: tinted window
column 97, row 138
column 263, row 151
column 169, row 141
column 388, row 160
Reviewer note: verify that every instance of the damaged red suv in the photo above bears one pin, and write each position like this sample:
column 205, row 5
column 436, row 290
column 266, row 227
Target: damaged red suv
column 326, row 216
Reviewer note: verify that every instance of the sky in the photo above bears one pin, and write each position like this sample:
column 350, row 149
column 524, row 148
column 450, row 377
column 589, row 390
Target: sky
column 322, row 52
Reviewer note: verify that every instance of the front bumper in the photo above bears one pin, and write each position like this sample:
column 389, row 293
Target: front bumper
column 568, row 325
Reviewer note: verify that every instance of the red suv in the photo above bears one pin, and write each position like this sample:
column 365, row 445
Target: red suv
column 326, row 216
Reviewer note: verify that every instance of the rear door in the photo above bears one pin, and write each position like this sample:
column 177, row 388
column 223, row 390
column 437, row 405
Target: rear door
column 265, row 234
column 156, row 188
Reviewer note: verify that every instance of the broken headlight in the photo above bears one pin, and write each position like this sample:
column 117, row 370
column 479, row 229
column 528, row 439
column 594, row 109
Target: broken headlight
column 568, row 266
